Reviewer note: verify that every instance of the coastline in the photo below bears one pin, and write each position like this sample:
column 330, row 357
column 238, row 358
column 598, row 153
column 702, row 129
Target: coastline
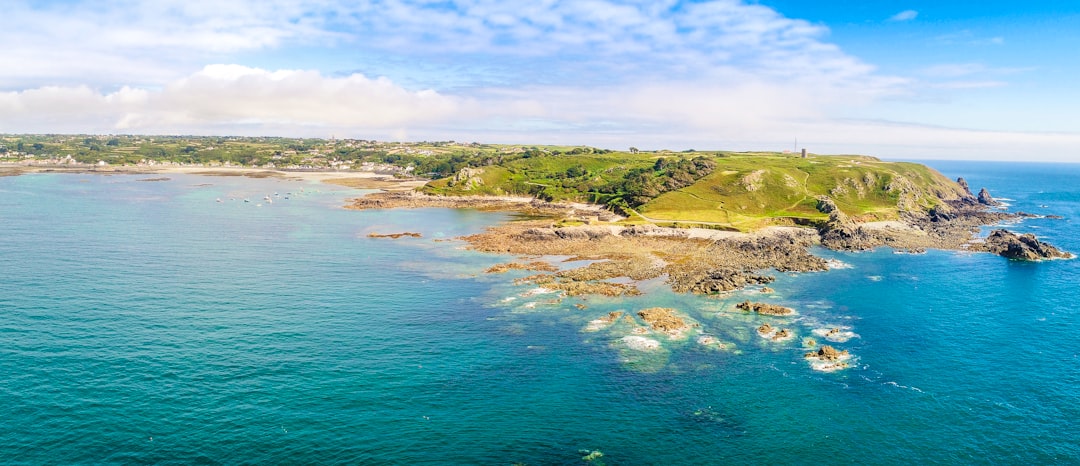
column 350, row 179
column 694, row 260
column 707, row 261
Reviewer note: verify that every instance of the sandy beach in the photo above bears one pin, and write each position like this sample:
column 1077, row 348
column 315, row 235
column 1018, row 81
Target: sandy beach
column 351, row 179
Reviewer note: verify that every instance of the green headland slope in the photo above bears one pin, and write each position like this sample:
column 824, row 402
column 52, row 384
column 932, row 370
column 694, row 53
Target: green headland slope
column 741, row 191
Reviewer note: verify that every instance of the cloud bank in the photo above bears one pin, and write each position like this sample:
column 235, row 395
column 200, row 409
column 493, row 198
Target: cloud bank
column 659, row 74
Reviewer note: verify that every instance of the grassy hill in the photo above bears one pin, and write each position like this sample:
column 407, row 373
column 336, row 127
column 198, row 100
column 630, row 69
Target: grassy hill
column 742, row 191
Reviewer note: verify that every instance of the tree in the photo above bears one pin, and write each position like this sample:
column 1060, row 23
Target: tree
column 634, row 150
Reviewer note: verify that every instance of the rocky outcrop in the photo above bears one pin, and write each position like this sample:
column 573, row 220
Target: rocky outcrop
column 603, row 322
column 840, row 232
column 986, row 199
column 964, row 184
column 1021, row 247
column 536, row 266
column 467, row 178
column 718, row 281
column 773, row 333
column 765, row 308
column 572, row 287
column 395, row 235
column 942, row 213
column 826, row 353
column 664, row 320
column 753, row 181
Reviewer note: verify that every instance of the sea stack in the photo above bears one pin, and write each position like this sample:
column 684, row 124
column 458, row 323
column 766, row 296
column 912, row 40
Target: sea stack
column 986, row 199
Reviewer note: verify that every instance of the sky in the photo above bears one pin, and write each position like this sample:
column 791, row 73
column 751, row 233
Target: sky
column 986, row 80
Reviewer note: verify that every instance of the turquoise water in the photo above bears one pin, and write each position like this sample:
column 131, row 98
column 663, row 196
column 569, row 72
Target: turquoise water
column 145, row 322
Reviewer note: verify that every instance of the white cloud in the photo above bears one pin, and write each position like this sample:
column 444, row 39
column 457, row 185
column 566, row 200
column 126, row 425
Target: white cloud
column 708, row 74
column 906, row 15
column 229, row 96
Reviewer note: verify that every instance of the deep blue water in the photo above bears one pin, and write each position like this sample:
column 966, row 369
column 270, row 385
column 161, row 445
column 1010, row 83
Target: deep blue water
column 144, row 322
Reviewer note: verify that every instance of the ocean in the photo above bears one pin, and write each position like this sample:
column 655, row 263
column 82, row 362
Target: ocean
column 147, row 322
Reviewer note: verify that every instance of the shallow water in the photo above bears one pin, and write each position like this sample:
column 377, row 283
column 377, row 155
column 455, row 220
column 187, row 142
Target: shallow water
column 146, row 322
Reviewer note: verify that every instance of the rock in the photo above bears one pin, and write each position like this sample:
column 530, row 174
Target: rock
column 964, row 184
column 395, row 235
column 583, row 233
column 766, row 290
column 986, row 199
column 540, row 234
column 1021, row 247
column 664, row 320
column 782, row 334
column 536, row 266
column 765, row 329
column 765, row 308
column 1055, row 217
column 942, row 212
column 719, row 281
column 612, row 317
column 572, row 233
column 467, row 178
column 840, row 232
column 826, row 353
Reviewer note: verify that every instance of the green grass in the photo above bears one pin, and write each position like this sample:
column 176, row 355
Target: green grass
column 787, row 187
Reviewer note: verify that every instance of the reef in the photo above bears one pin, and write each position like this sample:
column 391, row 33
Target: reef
column 765, row 308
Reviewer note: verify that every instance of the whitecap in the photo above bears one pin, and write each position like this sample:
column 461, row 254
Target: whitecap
column 639, row 343
column 596, row 325
column 874, row 278
column 537, row 290
column 916, row 389
column 838, row 334
column 840, row 363
column 835, row 264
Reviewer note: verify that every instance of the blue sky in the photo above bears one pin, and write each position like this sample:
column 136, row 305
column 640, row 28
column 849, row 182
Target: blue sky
column 896, row 79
